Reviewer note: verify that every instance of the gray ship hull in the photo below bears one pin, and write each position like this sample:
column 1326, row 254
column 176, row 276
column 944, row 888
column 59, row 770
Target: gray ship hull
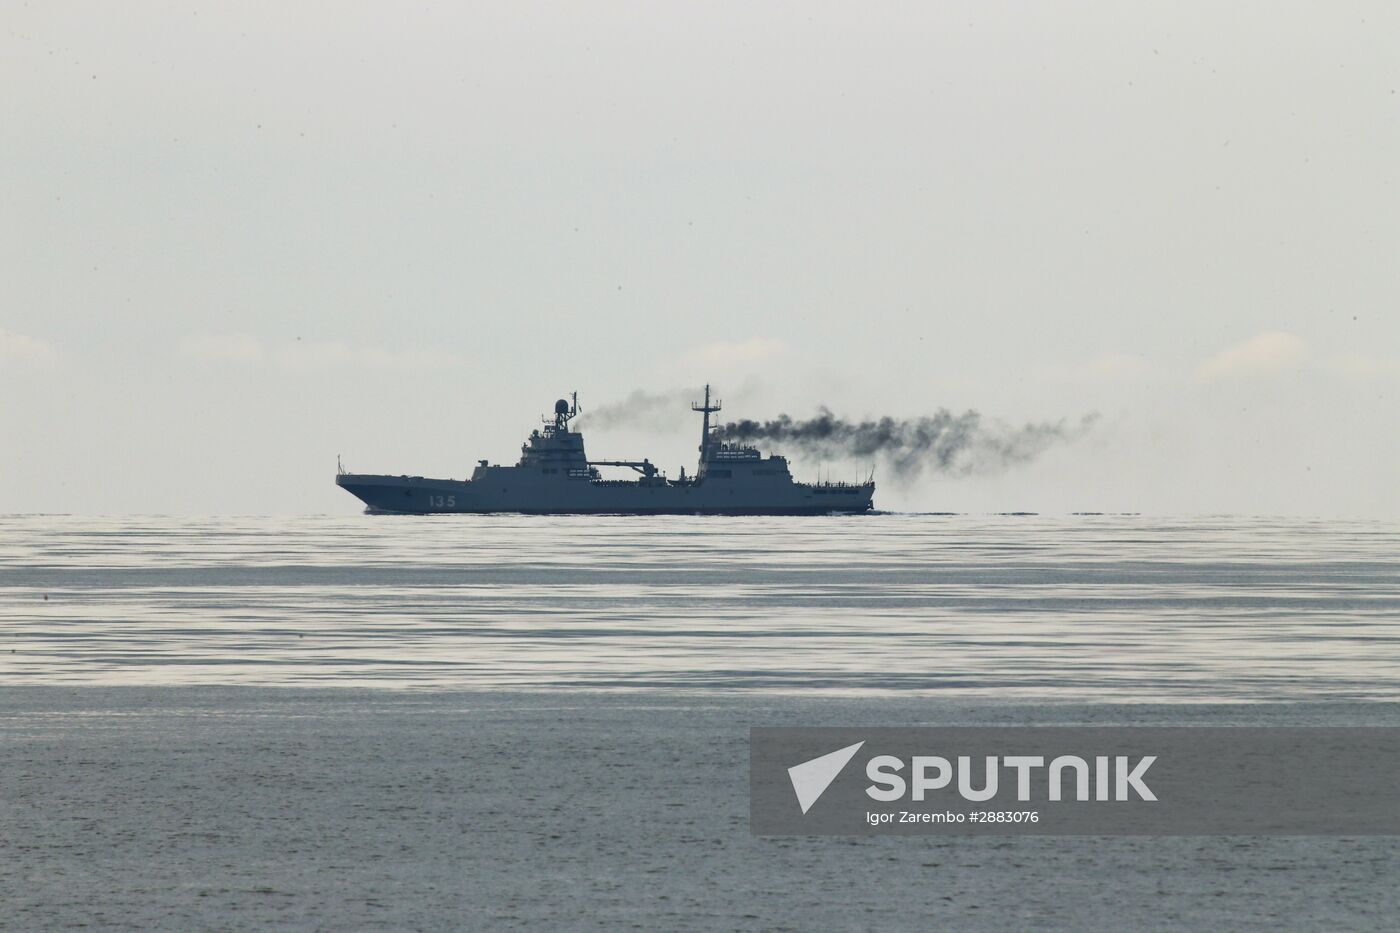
column 417, row 495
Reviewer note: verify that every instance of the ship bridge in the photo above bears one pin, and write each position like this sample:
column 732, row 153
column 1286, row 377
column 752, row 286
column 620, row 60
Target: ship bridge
column 556, row 449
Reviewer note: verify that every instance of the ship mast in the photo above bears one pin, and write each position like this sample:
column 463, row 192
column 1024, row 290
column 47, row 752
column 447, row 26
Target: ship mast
column 707, row 408
column 563, row 412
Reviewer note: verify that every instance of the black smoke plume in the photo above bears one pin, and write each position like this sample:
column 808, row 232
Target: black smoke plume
column 942, row 442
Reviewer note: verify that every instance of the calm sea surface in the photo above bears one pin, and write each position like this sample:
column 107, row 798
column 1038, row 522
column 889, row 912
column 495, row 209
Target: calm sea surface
column 1081, row 608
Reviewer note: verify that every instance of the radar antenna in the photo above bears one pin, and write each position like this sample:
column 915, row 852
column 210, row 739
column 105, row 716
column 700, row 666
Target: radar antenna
column 564, row 409
column 707, row 408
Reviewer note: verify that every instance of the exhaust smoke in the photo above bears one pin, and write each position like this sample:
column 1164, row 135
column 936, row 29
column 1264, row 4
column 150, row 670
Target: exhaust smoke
column 943, row 442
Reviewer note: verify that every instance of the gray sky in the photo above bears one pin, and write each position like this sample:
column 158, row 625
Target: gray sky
column 239, row 241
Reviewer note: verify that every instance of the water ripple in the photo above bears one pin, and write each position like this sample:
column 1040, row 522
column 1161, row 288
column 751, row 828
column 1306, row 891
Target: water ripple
column 1076, row 607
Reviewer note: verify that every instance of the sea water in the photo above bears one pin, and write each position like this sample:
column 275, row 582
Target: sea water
column 464, row 722
column 1073, row 607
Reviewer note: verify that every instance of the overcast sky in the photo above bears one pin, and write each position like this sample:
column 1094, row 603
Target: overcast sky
column 240, row 239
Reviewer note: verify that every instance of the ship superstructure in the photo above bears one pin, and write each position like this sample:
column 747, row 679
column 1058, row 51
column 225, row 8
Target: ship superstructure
column 555, row 476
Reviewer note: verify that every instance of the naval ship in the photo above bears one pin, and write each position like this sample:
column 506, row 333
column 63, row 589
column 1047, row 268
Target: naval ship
column 555, row 476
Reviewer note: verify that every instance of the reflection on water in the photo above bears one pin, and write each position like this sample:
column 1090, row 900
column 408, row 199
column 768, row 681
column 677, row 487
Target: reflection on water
column 1073, row 607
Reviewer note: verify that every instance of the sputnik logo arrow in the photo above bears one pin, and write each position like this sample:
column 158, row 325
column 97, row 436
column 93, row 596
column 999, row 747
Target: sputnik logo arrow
column 811, row 778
